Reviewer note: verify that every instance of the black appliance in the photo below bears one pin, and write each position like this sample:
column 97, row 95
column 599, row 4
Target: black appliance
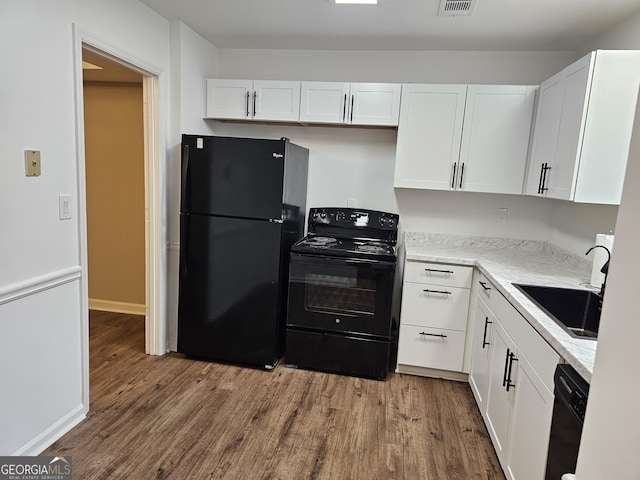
column 341, row 292
column 242, row 207
column 571, row 392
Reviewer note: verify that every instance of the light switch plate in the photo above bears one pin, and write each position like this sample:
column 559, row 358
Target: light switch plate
column 501, row 217
column 32, row 163
column 64, row 206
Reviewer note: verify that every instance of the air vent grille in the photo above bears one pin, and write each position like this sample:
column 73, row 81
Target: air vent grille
column 454, row 8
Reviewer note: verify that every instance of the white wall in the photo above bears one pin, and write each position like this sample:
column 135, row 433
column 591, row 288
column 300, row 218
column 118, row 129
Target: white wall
column 359, row 163
column 521, row 68
column 41, row 374
column 624, row 36
column 611, row 438
column 192, row 59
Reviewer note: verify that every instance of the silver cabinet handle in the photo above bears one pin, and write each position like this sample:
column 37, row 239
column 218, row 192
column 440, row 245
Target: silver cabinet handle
column 248, row 95
column 440, row 335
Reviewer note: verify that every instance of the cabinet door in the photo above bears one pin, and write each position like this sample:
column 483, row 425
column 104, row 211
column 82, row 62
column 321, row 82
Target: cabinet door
column 495, row 138
column 530, row 426
column 228, row 99
column 374, row 104
column 429, row 135
column 545, row 135
column 479, row 373
column 570, row 131
column 324, row 102
column 499, row 400
column 275, row 100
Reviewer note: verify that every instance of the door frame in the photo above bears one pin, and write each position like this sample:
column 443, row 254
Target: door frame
column 154, row 177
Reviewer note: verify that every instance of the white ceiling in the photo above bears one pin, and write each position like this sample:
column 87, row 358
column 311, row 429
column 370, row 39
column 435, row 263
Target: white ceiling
column 397, row 24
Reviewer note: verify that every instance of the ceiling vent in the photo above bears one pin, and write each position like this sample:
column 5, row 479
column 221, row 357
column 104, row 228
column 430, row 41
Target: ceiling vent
column 454, row 8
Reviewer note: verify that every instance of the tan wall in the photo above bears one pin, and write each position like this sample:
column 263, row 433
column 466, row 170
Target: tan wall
column 114, row 147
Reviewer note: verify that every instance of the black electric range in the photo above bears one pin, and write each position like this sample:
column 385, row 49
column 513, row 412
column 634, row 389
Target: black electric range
column 341, row 281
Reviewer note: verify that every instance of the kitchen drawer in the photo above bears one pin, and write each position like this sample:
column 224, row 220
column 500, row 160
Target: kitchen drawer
column 425, row 305
column 431, row 348
column 438, row 274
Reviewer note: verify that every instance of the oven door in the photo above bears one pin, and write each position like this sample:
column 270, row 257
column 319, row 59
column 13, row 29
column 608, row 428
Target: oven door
column 340, row 295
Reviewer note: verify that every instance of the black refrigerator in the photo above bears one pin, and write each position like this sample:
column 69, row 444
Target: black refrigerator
column 243, row 204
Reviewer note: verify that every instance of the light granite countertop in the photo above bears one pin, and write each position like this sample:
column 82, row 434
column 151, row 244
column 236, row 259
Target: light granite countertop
column 506, row 261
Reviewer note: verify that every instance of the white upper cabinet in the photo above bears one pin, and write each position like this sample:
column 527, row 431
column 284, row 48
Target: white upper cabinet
column 586, row 161
column 264, row 100
column 495, row 138
column 429, row 135
column 454, row 137
column 350, row 103
column 543, row 145
column 375, row 104
column 324, row 102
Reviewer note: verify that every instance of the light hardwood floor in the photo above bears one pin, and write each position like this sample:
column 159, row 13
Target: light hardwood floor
column 176, row 418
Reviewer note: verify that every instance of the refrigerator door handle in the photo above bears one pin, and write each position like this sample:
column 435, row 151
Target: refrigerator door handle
column 185, row 173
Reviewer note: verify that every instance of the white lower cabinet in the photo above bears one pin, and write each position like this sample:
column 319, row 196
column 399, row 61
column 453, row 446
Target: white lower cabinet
column 433, row 320
column 529, row 426
column 431, row 347
column 500, row 400
column 511, row 377
column 479, row 372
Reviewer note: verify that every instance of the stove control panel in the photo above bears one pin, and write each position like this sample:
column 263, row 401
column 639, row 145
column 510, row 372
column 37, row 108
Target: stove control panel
column 350, row 217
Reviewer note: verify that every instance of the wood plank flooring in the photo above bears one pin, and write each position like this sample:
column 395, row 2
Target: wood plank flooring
column 176, row 418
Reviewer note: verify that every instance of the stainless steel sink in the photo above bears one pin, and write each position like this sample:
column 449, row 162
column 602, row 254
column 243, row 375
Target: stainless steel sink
column 576, row 311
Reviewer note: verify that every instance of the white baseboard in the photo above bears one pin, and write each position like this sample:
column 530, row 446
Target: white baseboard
column 117, row 307
column 47, row 438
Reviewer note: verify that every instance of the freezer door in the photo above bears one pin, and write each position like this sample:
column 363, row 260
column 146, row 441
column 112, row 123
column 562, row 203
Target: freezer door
column 229, row 290
column 235, row 177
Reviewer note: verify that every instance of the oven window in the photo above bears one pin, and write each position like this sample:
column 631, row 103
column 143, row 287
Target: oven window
column 340, row 292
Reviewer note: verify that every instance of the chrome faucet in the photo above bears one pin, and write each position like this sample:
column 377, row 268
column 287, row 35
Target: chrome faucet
column 605, row 267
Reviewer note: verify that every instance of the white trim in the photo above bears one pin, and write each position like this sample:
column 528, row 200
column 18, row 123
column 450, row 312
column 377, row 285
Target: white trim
column 155, row 322
column 117, row 307
column 43, row 441
column 39, row 284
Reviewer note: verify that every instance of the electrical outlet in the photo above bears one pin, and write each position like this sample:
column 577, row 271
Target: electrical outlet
column 351, row 202
column 502, row 215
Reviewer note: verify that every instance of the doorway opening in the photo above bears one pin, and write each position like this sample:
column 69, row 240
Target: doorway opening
column 138, row 80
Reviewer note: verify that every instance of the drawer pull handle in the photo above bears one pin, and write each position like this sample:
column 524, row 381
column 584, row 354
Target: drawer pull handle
column 444, row 292
column 484, row 337
column 484, row 285
column 512, row 358
column 433, row 270
column 433, row 334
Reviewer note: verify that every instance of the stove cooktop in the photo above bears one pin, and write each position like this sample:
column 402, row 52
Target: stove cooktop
column 346, row 247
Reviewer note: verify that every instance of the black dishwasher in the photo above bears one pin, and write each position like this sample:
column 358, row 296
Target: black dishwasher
column 571, row 392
